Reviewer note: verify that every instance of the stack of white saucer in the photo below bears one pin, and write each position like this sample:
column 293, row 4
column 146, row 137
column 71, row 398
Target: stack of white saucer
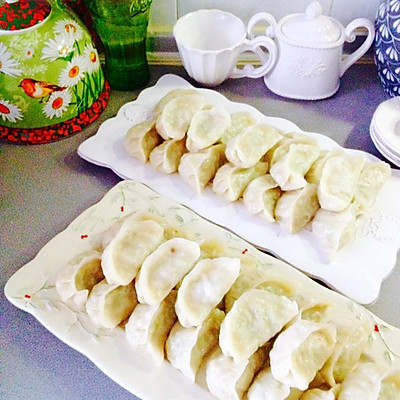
column 385, row 129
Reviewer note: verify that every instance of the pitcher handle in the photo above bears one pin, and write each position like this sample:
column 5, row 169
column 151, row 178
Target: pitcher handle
column 349, row 60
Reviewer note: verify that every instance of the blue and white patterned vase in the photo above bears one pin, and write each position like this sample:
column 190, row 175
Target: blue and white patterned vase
column 387, row 45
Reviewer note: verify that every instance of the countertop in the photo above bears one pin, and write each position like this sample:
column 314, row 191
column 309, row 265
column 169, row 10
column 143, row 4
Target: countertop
column 44, row 187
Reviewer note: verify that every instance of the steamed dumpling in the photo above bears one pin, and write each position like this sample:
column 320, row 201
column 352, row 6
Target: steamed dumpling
column 141, row 139
column 125, row 253
column 207, row 127
column 339, row 180
column 229, row 380
column 261, row 195
column 186, row 347
column 247, row 147
column 199, row 168
column 204, row 287
column 163, row 269
column 314, row 174
column 230, row 181
column 300, row 351
column 390, row 385
column 295, row 209
column 167, row 156
column 149, row 325
column 172, row 94
column 373, row 176
column 290, row 168
column 334, row 230
column 255, row 318
column 110, row 304
column 240, row 121
column 75, row 281
column 175, row 113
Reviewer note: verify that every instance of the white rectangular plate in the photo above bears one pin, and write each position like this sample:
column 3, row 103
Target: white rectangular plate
column 367, row 261
column 32, row 289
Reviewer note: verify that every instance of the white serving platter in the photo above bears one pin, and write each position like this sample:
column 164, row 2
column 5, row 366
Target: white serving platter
column 32, row 289
column 366, row 262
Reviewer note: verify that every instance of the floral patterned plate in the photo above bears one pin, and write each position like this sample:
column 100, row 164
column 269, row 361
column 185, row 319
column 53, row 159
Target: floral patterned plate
column 378, row 236
column 32, row 289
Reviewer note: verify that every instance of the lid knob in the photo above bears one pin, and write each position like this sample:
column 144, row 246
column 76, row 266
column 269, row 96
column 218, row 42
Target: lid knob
column 313, row 10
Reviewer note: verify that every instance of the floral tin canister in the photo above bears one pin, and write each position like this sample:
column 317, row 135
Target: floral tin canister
column 51, row 81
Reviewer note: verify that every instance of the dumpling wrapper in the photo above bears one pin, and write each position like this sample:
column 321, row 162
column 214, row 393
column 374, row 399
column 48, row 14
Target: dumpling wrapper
column 334, row 230
column 204, row 287
column 352, row 339
column 124, row 255
column 249, row 146
column 110, row 304
column 339, row 181
column 230, row 181
column 163, row 269
column 261, row 195
column 186, row 347
column 296, row 208
column 172, row 94
column 167, row 156
column 199, row 168
column 314, row 174
column 290, row 168
column 255, row 318
column 75, row 281
column 240, row 121
column 372, row 178
column 390, row 385
column 207, row 127
column 149, row 326
column 300, row 351
column 265, row 386
column 229, row 380
column 176, row 112
column 141, row 139
column 319, row 394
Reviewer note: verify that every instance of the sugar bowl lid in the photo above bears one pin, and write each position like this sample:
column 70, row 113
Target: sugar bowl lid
column 311, row 26
column 17, row 15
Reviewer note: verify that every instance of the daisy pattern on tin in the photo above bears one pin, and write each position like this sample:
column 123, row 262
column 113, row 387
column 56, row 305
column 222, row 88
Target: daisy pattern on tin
column 59, row 47
column 73, row 72
column 8, row 65
column 9, row 112
column 91, row 58
column 70, row 27
column 57, row 104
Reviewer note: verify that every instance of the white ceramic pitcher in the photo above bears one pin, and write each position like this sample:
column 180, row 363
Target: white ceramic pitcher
column 310, row 58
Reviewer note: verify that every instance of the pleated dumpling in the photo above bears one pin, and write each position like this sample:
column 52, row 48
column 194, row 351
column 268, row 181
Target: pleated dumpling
column 338, row 183
column 314, row 174
column 320, row 394
column 265, row 386
column 240, row 121
column 334, row 230
column 186, row 347
column 199, row 168
column 167, row 156
column 163, row 269
column 243, row 330
column 390, row 385
column 290, row 168
column 300, row 351
column 372, row 178
column 172, row 94
column 207, row 127
column 175, row 112
column 125, row 253
column 149, row 326
column 75, row 281
column 249, row 146
column 296, row 208
column 352, row 339
column 141, row 139
column 229, row 380
column 203, row 288
column 261, row 195
column 110, row 304
column 230, row 181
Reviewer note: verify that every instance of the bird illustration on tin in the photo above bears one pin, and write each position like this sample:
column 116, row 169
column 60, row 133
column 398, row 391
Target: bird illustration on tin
column 39, row 89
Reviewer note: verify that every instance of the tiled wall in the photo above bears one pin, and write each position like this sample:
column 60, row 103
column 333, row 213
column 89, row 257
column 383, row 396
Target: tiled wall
column 165, row 12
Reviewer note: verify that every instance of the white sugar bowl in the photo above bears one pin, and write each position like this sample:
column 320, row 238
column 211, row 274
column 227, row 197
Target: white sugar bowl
column 310, row 58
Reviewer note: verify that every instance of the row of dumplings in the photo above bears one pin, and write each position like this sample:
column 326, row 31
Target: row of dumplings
column 239, row 328
column 283, row 177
